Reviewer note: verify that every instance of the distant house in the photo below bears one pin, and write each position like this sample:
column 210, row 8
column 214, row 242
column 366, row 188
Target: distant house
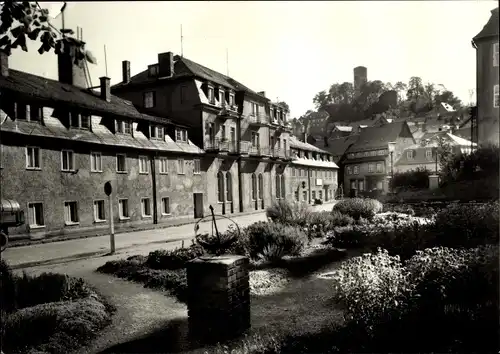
column 424, row 154
column 369, row 161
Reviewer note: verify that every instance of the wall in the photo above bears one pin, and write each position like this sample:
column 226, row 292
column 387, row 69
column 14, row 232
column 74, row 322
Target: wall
column 224, row 165
column 295, row 184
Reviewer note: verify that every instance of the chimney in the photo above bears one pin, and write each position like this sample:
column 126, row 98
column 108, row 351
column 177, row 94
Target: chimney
column 262, row 93
column 69, row 72
column 105, row 88
column 326, row 141
column 125, row 71
column 4, row 61
column 166, row 64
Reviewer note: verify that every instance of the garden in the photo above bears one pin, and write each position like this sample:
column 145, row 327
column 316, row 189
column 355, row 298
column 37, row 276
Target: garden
column 49, row 313
column 359, row 278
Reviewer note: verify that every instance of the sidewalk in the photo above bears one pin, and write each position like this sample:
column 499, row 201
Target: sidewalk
column 70, row 250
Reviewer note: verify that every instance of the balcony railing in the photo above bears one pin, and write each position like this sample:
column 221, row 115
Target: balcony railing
column 259, row 119
column 281, row 153
column 218, row 144
column 259, row 151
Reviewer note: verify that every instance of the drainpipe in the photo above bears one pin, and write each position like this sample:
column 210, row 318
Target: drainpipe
column 240, row 176
column 155, row 201
column 309, row 175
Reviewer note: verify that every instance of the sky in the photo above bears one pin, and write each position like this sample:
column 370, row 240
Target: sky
column 289, row 49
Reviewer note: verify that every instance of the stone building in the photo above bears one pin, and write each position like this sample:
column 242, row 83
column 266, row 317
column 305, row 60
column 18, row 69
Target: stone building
column 61, row 141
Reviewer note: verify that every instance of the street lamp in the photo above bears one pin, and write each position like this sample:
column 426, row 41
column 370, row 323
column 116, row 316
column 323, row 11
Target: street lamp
column 392, row 147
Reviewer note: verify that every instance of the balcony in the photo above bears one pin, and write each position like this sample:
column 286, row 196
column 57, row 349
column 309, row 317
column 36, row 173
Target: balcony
column 279, row 153
column 228, row 111
column 260, row 119
column 245, row 147
column 259, row 151
column 220, row 145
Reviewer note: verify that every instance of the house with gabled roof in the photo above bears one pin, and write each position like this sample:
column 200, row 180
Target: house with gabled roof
column 241, row 130
column 61, row 141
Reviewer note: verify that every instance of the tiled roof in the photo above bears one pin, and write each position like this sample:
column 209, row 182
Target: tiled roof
column 296, row 143
column 491, row 27
column 53, row 128
column 419, row 156
column 377, row 137
column 302, row 161
column 337, row 147
column 54, row 91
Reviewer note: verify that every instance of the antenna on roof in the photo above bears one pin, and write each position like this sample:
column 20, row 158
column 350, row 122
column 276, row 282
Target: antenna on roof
column 105, row 60
column 62, row 14
column 227, row 62
column 182, row 48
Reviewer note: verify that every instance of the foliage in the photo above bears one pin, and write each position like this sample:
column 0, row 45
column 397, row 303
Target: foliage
column 238, row 244
column 320, row 223
column 174, row 259
column 7, row 287
column 273, row 241
column 401, row 209
column 417, row 179
column 25, row 20
column 318, row 201
column 286, row 212
column 358, row 207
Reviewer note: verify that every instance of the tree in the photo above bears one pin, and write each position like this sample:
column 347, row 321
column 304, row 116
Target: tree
column 284, row 105
column 321, row 100
column 343, row 93
column 26, row 20
column 448, row 97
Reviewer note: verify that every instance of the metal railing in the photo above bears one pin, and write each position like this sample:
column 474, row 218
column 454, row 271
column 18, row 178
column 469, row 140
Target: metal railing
column 259, row 118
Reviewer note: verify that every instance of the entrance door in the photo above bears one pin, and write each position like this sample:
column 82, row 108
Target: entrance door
column 198, row 205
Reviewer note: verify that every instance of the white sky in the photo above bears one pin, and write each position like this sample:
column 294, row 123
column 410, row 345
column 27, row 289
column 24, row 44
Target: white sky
column 291, row 50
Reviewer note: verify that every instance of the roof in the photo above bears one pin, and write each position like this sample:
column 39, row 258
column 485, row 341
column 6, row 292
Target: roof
column 454, row 139
column 54, row 91
column 338, row 147
column 302, row 161
column 296, row 143
column 343, row 128
column 490, row 29
column 378, row 137
column 447, row 107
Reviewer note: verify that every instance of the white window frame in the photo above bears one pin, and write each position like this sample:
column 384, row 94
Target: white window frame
column 356, row 170
column 95, row 206
column 30, row 152
column 197, row 166
column 371, row 167
column 143, row 160
column 428, row 154
column 349, row 170
column 495, row 54
column 70, row 168
column 210, row 94
column 410, row 155
column 143, row 207
column 163, row 165
column 496, row 96
column 381, row 168
column 125, row 163
column 231, row 99
column 32, row 218
column 67, row 204
column 149, row 99
column 92, row 167
column 181, row 167
column 121, row 213
column 222, row 100
column 163, row 206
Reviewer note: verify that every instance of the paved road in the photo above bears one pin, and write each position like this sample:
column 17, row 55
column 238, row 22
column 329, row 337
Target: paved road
column 140, row 242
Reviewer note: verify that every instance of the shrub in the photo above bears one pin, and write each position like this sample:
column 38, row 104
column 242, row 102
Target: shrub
column 417, row 179
column 175, row 259
column 319, row 223
column 318, row 201
column 399, row 208
column 232, row 241
column 273, row 241
column 7, row 287
column 358, row 207
column 285, row 212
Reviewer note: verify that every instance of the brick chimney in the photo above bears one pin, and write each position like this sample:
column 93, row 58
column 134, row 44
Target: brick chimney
column 125, row 71
column 166, row 64
column 105, row 88
column 4, row 62
column 69, row 72
column 263, row 93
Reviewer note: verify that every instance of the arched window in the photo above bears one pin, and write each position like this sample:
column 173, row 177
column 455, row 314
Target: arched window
column 261, row 186
column 278, row 187
column 220, row 187
column 283, row 189
column 254, row 187
column 229, row 187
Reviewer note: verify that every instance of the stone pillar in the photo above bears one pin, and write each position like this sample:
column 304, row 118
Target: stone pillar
column 433, row 181
column 218, row 297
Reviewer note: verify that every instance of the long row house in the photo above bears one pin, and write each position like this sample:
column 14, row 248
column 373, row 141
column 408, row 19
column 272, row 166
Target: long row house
column 172, row 140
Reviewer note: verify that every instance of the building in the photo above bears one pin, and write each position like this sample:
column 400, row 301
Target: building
column 369, row 162
column 246, row 137
column 424, row 154
column 487, row 81
column 317, row 123
column 61, row 142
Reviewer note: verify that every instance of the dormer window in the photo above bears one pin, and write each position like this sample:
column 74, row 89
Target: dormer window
column 123, row 127
column 36, row 113
column 210, row 94
column 231, row 99
column 410, row 155
column 153, row 70
column 21, row 111
column 78, row 120
column 222, row 98
column 255, row 109
column 181, row 135
column 157, row 132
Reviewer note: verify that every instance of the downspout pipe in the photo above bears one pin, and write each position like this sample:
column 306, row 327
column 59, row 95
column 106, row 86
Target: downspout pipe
column 153, row 177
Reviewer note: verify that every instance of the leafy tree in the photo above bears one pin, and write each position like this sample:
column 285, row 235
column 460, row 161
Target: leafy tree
column 342, row 93
column 25, row 20
column 321, row 100
column 284, row 105
column 448, row 97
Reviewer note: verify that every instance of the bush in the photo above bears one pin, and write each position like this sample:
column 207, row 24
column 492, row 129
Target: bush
column 285, row 212
column 273, row 241
column 417, row 179
column 175, row 259
column 319, row 223
column 318, row 201
column 233, row 241
column 7, row 288
column 358, row 207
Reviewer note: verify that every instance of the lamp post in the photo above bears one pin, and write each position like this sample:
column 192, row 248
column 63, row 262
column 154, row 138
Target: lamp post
column 436, row 153
column 392, row 147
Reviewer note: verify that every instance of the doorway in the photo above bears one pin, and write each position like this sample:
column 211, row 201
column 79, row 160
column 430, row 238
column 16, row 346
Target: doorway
column 198, row 205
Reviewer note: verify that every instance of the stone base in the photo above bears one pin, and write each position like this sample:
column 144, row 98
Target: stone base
column 433, row 182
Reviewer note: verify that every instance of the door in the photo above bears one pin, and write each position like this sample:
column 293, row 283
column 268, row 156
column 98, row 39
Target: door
column 198, row 205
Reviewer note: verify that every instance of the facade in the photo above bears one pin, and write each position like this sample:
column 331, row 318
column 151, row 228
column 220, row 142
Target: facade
column 487, row 81
column 370, row 163
column 246, row 137
column 61, row 142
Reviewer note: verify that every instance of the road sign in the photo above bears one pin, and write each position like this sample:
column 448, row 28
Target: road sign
column 107, row 188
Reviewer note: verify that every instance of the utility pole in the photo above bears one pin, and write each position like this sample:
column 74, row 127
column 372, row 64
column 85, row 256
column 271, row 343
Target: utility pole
column 182, row 48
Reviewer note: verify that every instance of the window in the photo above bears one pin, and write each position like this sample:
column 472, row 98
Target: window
column 231, row 99
column 304, row 196
column 197, row 166
column 180, row 166
column 361, row 185
column 356, row 170
column 278, row 186
column 255, row 109
column 67, row 160
column 95, row 162
column 143, row 164
column 32, row 158
column 313, row 195
column 99, row 211
column 495, row 54
column 149, row 99
column 371, row 167
column 146, row 207
column 229, row 188
column 123, row 127
column 261, row 186
column 123, row 208
column 157, row 132
column 409, row 155
column 223, row 132
column 165, row 206
column 35, row 217
column 320, row 194
column 379, row 167
column 153, row 70
column 380, row 152
column 36, row 113
column 70, row 213
column 255, row 139
column 220, row 187
column 283, row 186
column 77, row 120
column 254, row 187
column 379, row 185
column 496, row 93
column 181, row 135
column 163, row 165
column 210, row 94
column 293, row 171
column 373, row 153
column 222, row 98
column 121, row 163
column 22, row 111
column 428, row 154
